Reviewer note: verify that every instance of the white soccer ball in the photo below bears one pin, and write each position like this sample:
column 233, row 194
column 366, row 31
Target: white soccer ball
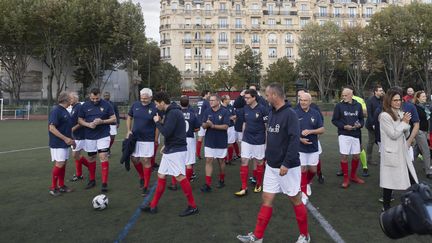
column 100, row 202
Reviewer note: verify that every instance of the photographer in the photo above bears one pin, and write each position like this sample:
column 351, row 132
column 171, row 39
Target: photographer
column 396, row 170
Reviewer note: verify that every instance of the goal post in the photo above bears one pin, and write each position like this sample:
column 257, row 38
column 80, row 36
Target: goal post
column 14, row 113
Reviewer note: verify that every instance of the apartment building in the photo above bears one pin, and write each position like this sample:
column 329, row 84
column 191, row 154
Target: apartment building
column 199, row 36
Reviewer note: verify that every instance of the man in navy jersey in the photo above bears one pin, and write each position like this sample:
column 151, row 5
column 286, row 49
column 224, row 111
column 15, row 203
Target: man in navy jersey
column 202, row 105
column 348, row 118
column 216, row 121
column 311, row 125
column 139, row 122
column 238, row 127
column 78, row 136
column 282, row 174
column 192, row 126
column 60, row 139
column 96, row 115
column 114, row 127
column 231, row 131
column 254, row 116
column 174, row 153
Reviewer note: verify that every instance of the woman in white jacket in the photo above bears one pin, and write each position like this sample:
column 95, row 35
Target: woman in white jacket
column 396, row 170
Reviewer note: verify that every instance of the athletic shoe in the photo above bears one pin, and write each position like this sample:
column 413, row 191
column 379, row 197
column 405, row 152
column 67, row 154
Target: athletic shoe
column 249, row 238
column 308, row 190
column 321, row 178
column 339, row 173
column 104, row 187
column 172, row 187
column 141, row 183
column 257, row 189
column 221, row 184
column 241, row 193
column 382, row 200
column 76, row 178
column 91, row 184
column 194, row 177
column 305, row 198
column 252, row 180
column 65, row 189
column 148, row 209
column 144, row 191
column 199, row 157
column 54, row 192
column 365, row 173
column 357, row 180
column 235, row 157
column 206, row 188
column 189, row 211
column 303, row 239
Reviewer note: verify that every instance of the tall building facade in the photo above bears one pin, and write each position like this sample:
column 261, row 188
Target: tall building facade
column 199, row 36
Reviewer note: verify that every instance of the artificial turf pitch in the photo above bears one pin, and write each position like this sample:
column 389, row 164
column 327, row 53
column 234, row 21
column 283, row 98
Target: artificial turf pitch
column 29, row 214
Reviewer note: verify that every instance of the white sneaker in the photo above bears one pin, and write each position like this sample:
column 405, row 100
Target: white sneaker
column 308, row 190
column 305, row 198
column 303, row 239
column 249, row 238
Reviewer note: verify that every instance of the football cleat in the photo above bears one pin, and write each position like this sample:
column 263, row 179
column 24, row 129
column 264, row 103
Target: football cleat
column 221, row 184
column 365, row 173
column 54, row 192
column 144, row 191
column 308, row 190
column 320, row 178
column 76, row 178
column 65, row 189
column 194, row 177
column 249, row 238
column 303, row 239
column 141, row 183
column 339, row 173
column 241, row 193
column 189, row 211
column 252, row 180
column 148, row 209
column 257, row 189
column 206, row 188
column 91, row 184
column 357, row 180
column 305, row 198
column 104, row 187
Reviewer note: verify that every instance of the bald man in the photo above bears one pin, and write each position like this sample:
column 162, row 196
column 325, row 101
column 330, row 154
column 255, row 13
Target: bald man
column 409, row 96
column 311, row 125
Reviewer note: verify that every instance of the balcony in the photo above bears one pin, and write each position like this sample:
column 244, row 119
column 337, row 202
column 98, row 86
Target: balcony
column 239, row 26
column 337, row 15
column 187, row 41
column 198, row 27
column 208, row 12
column 188, row 57
column 197, row 56
column 207, row 57
column 289, row 41
column 223, row 41
column 223, row 11
column 367, row 15
column 322, row 15
column 238, row 41
column 207, row 26
column 256, row 12
column 353, row 15
column 256, row 26
column 223, row 57
column 208, row 41
column 165, row 42
column 237, row 13
column 185, row 26
column 188, row 11
column 166, row 57
column 272, row 55
column 223, row 26
column 272, row 41
column 304, row 13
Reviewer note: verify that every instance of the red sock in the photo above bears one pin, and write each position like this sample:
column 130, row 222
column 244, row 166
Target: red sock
column 310, row 176
column 84, row 161
column 92, row 170
column 319, row 167
column 147, row 173
column 259, row 174
column 208, row 180
column 62, row 176
column 189, row 173
column 430, row 140
column 55, row 173
column 244, row 171
column 159, row 191
column 222, row 177
column 139, row 169
column 153, row 159
column 111, row 141
column 198, row 148
column 344, row 167
column 263, row 219
column 303, row 182
column 236, row 149
column 230, row 152
column 105, row 170
column 78, row 167
column 173, row 181
column 354, row 166
column 301, row 217
column 254, row 173
column 187, row 190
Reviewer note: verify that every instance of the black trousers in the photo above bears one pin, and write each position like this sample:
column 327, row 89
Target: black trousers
column 387, row 193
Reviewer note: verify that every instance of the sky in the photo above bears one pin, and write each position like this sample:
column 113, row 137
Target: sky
column 151, row 10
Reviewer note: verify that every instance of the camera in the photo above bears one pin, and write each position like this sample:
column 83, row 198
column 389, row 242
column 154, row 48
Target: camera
column 412, row 216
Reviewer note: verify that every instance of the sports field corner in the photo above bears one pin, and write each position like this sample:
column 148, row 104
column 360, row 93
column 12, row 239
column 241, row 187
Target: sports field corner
column 30, row 214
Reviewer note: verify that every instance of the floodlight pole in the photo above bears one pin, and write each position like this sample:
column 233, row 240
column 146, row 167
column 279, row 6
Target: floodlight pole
column 1, row 109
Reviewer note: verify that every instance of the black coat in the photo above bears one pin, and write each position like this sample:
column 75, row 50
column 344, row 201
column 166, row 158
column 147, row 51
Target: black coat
column 128, row 147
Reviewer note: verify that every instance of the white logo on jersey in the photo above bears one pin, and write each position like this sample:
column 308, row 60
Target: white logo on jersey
column 220, row 117
column 150, row 111
column 312, row 120
column 274, row 129
column 186, row 115
column 89, row 109
column 347, row 113
column 256, row 115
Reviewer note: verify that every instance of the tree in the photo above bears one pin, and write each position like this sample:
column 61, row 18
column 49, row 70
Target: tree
column 226, row 79
column 149, row 64
column 170, row 80
column 283, row 72
column 248, row 67
column 319, row 51
column 205, row 82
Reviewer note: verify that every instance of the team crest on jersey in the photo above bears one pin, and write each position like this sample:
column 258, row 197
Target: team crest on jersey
column 220, row 117
column 256, row 115
column 150, row 111
column 102, row 109
column 312, row 120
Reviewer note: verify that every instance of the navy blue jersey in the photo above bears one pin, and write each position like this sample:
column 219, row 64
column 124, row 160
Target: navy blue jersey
column 78, row 134
column 215, row 138
column 192, row 121
column 143, row 127
column 254, row 119
column 238, row 124
column 61, row 119
column 202, row 105
column 116, row 111
column 309, row 120
column 173, row 129
column 348, row 114
column 410, row 107
column 231, row 111
column 283, row 138
column 89, row 112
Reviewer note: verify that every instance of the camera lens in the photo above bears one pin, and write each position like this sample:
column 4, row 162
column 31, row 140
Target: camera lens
column 394, row 224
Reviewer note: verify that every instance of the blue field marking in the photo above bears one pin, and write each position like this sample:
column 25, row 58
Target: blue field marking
column 135, row 216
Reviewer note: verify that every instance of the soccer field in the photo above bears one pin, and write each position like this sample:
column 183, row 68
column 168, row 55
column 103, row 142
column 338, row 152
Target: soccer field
column 29, row 214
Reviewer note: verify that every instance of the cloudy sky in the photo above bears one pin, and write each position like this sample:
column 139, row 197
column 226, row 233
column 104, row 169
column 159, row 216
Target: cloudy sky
column 151, row 16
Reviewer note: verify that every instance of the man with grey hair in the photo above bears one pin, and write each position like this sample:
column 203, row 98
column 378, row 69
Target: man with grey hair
column 60, row 139
column 140, row 124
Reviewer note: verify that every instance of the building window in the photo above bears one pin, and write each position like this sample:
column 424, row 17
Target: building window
column 223, row 23
column 352, row 12
column 369, row 12
column 188, row 53
column 255, row 51
column 188, row 67
column 197, row 36
column 255, row 38
column 255, row 22
column 323, row 11
column 174, row 6
column 270, row 8
column 188, row 38
column 289, row 52
column 223, row 37
column 337, row 12
column 238, row 23
column 272, row 39
column 271, row 22
column 208, row 53
column 188, row 22
column 197, row 21
column 289, row 38
column 197, row 52
column 239, row 38
column 208, row 38
column 304, row 22
column 288, row 22
column 223, row 53
column 272, row 52
column 303, row 7
column 208, row 67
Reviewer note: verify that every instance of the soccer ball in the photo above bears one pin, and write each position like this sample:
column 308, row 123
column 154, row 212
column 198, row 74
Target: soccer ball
column 100, row 202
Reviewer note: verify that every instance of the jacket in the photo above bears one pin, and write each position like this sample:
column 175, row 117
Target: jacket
column 128, row 147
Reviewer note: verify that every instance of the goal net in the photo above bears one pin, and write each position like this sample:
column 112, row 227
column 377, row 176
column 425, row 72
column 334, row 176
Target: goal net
column 14, row 113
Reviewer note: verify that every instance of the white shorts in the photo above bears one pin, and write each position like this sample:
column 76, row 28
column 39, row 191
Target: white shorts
column 143, row 150
column 95, row 145
column 59, row 154
column 173, row 164
column 231, row 135
column 80, row 145
column 319, row 148
column 288, row 184
column 201, row 132
column 113, row 130
column 348, row 145
column 215, row 153
column 239, row 136
column 191, row 150
column 252, row 151
column 310, row 159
